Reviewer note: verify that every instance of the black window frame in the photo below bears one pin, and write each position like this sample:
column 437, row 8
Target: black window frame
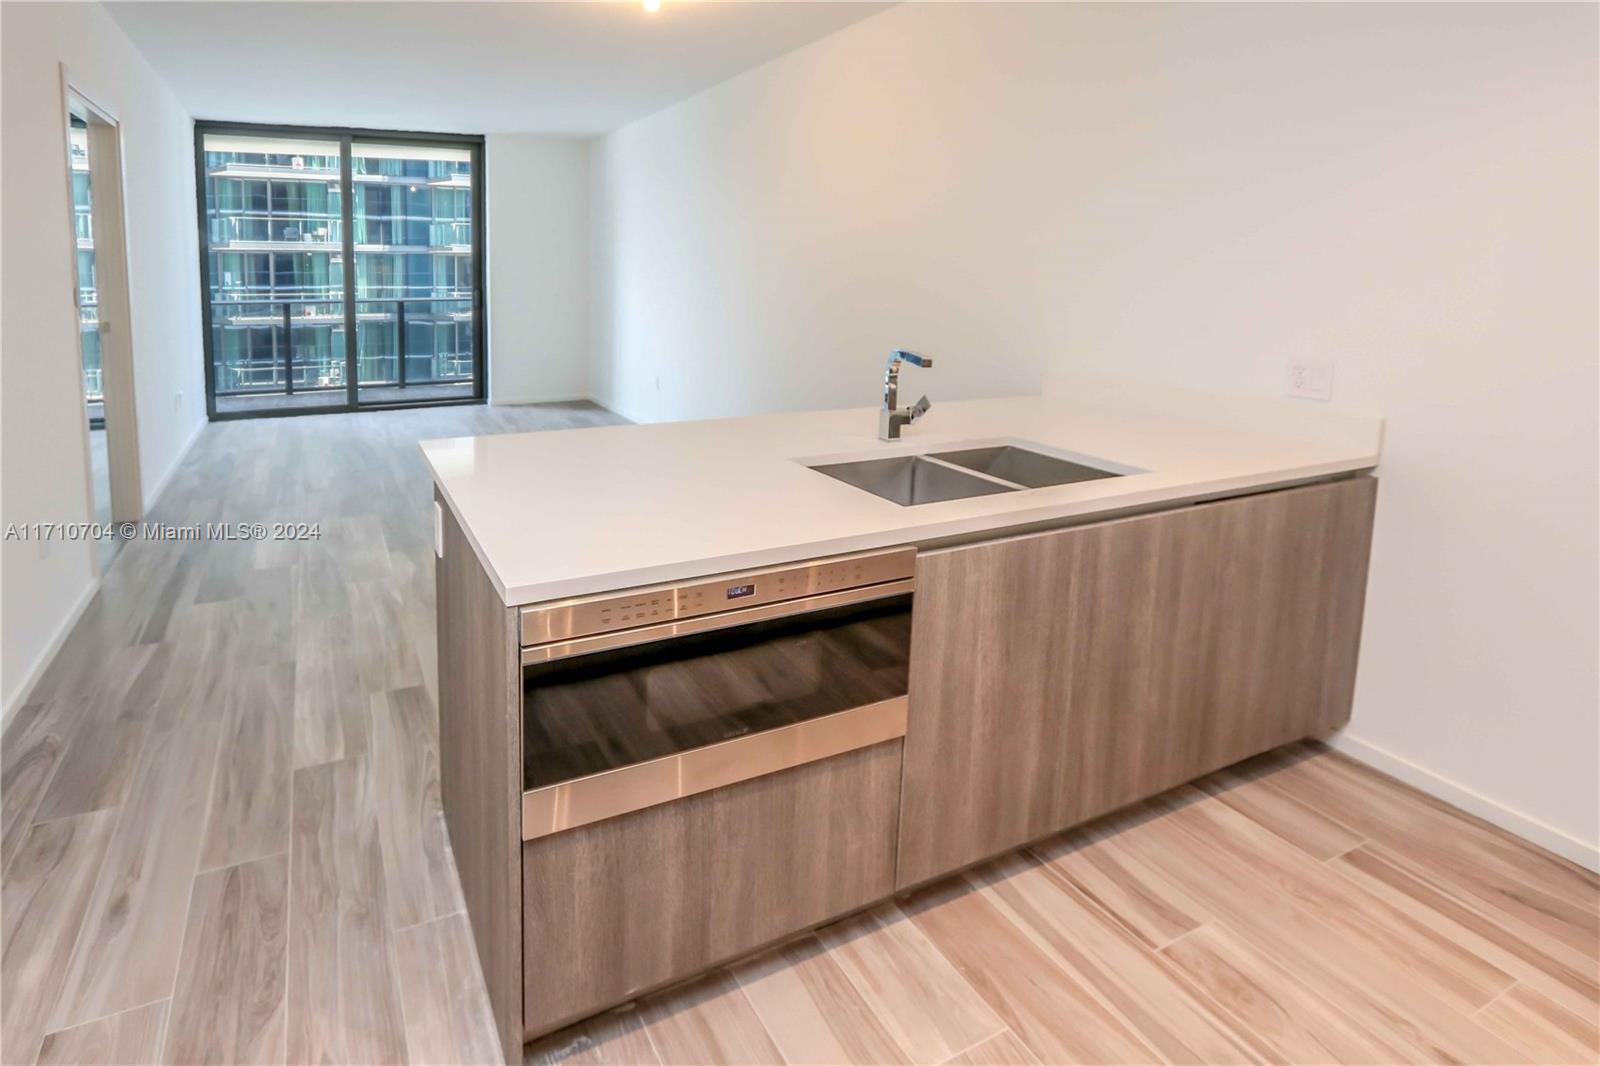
column 347, row 136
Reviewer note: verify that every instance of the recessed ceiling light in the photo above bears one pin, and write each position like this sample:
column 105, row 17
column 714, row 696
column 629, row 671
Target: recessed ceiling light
column 652, row 6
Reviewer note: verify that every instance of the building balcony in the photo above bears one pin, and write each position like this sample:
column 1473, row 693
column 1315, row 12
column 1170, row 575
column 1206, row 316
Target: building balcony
column 330, row 175
column 289, row 354
column 254, row 232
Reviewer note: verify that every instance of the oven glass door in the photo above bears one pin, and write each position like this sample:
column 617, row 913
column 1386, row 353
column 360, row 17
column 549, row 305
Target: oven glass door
column 589, row 714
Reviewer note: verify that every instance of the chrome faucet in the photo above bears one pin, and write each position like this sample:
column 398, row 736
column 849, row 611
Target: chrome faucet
column 892, row 418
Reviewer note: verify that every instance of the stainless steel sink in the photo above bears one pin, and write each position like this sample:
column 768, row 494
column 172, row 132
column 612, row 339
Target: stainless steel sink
column 911, row 479
column 1020, row 466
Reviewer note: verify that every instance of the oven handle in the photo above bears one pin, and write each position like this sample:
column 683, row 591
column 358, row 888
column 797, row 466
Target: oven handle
column 611, row 793
column 628, row 638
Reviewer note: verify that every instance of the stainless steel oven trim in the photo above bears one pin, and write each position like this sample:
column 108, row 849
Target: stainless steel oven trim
column 628, row 638
column 565, row 620
column 586, row 800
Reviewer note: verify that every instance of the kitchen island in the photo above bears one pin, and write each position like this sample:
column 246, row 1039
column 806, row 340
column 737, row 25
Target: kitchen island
column 697, row 694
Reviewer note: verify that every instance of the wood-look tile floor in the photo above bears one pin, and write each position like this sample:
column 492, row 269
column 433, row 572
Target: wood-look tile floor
column 222, row 843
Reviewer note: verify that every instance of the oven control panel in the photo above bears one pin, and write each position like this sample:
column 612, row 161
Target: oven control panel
column 569, row 619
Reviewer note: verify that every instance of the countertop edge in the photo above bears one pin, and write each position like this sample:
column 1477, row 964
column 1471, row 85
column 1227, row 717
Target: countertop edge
column 914, row 533
column 443, row 490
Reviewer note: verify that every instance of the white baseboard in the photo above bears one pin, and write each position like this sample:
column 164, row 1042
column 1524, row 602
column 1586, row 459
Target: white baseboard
column 1512, row 821
column 47, row 655
column 521, row 401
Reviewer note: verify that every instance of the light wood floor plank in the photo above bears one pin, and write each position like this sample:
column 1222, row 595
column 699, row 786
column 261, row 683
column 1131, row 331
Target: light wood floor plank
column 249, row 818
column 416, row 845
column 616, row 1038
column 1267, row 1003
column 108, row 729
column 1002, row 1049
column 229, row 1005
column 1358, row 977
column 708, row 1022
column 1058, row 1019
column 130, row 1038
column 1139, row 986
column 1550, row 897
column 99, row 761
column 359, row 543
column 1441, row 965
column 378, row 643
column 168, row 599
column 443, row 996
column 127, row 953
column 1549, row 1033
column 1261, row 800
column 1576, row 990
column 1391, row 806
column 343, row 1001
column 331, row 720
column 29, row 754
column 205, row 641
column 263, row 618
column 43, row 899
column 927, row 1007
column 813, row 1012
column 1118, row 883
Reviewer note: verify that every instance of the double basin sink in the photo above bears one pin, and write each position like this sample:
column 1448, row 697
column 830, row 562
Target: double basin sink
column 960, row 474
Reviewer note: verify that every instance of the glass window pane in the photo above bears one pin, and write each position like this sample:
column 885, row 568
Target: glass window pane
column 271, row 221
column 275, row 227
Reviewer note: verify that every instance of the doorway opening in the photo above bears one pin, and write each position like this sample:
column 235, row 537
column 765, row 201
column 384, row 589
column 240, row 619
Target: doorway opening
column 342, row 269
column 101, row 307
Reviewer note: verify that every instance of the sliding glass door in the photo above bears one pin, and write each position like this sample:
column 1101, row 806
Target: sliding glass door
column 274, row 273
column 342, row 269
column 415, row 291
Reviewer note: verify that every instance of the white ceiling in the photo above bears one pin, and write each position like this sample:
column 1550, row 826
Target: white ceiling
column 567, row 68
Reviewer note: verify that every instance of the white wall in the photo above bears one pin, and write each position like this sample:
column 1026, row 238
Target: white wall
column 1415, row 199
column 1191, row 195
column 42, row 472
column 763, row 246
column 538, row 272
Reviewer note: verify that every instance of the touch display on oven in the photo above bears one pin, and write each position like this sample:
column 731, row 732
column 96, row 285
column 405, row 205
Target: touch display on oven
column 739, row 592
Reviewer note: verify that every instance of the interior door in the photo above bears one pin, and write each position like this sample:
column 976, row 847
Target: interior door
column 104, row 314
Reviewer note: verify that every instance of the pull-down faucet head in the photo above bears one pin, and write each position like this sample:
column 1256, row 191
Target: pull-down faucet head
column 892, row 418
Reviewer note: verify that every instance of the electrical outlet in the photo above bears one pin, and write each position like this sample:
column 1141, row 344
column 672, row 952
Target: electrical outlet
column 177, row 400
column 1310, row 379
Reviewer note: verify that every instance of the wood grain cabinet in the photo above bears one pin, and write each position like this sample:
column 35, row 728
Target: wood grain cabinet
column 629, row 904
column 1058, row 676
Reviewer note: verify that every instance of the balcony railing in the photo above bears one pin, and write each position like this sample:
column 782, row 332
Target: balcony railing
column 89, row 327
column 250, row 228
column 319, row 232
column 297, row 344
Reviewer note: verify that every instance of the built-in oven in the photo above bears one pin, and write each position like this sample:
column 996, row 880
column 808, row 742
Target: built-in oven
column 635, row 699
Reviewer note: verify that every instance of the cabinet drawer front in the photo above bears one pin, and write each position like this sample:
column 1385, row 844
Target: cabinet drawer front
column 614, row 909
column 1058, row 676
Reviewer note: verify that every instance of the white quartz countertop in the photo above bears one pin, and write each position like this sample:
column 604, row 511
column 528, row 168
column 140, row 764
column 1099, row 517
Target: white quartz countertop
column 570, row 512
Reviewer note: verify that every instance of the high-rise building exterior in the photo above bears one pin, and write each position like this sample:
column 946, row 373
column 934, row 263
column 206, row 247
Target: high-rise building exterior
column 275, row 263
column 88, row 299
